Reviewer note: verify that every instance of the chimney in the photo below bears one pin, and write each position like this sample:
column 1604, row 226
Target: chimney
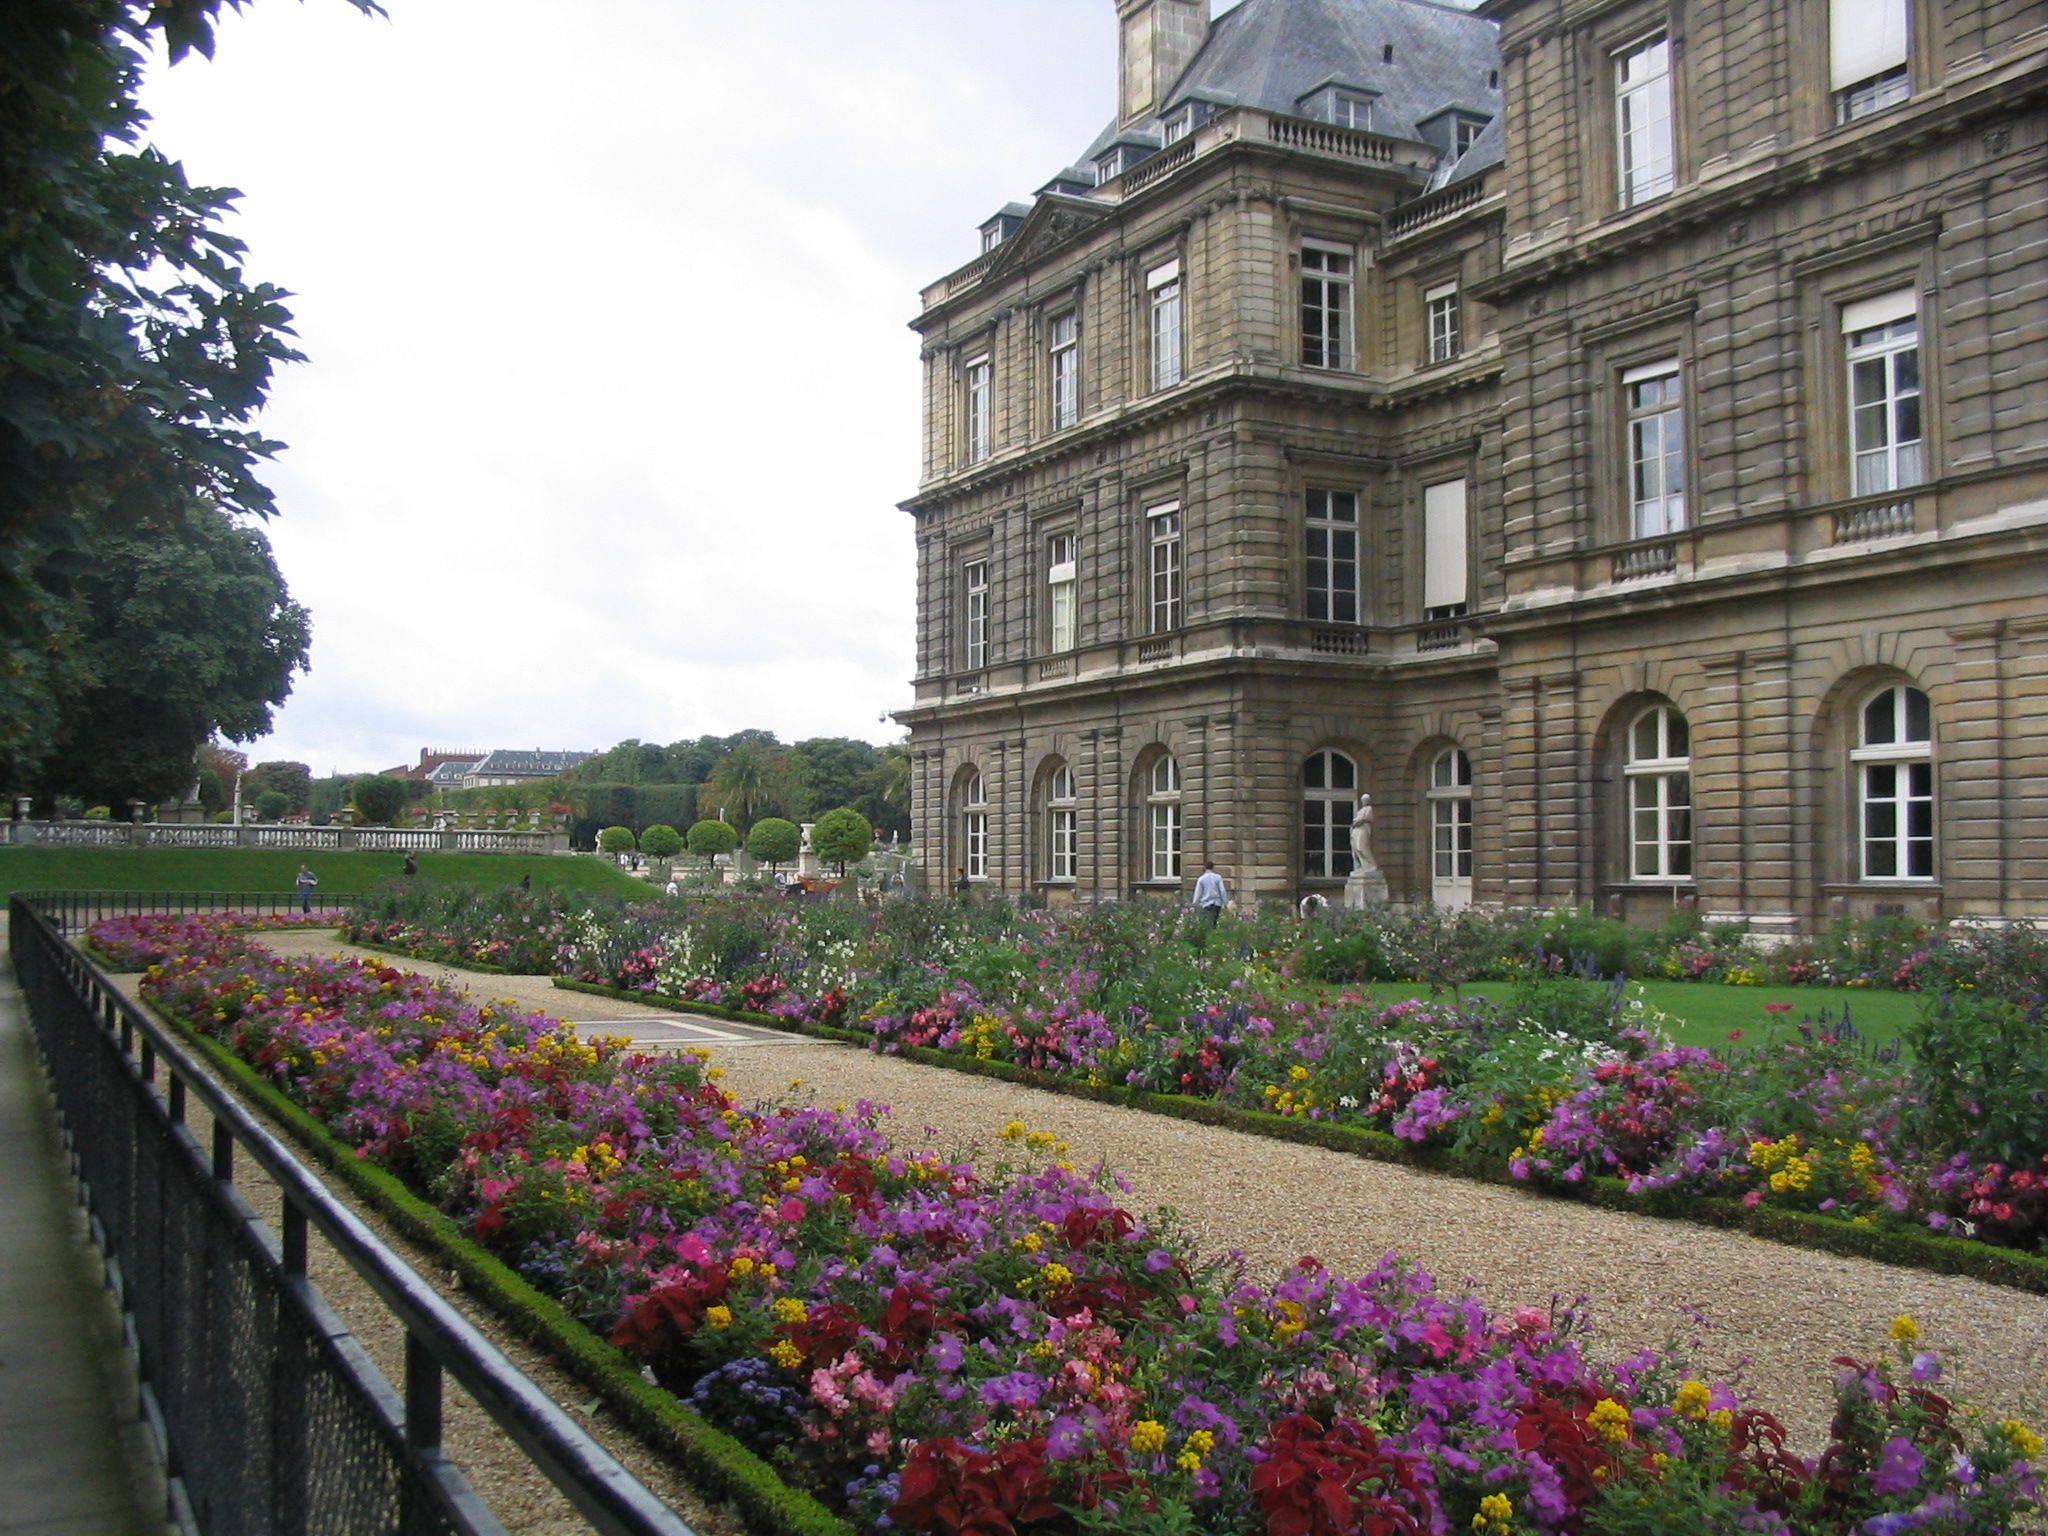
column 1157, row 39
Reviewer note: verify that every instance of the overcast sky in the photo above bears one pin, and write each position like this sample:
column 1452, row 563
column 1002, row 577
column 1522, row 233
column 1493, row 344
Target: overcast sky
column 610, row 397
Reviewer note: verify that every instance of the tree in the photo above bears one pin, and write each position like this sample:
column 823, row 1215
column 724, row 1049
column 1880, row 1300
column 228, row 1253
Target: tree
column 752, row 780
column 844, row 836
column 379, row 797
column 887, row 802
column 615, row 840
column 178, row 632
column 774, row 841
column 830, row 770
column 292, row 780
column 708, row 839
column 661, row 841
column 271, row 805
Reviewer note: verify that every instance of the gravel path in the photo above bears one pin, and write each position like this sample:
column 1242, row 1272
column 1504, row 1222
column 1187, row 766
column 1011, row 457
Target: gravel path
column 1777, row 1316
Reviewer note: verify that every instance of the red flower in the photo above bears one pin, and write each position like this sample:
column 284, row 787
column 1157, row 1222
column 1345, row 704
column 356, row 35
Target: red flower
column 1336, row 1483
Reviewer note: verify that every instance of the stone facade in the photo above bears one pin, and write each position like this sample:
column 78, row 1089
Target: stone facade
column 1511, row 603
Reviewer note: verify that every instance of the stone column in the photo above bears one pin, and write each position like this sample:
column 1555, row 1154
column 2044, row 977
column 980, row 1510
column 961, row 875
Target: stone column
column 1972, row 764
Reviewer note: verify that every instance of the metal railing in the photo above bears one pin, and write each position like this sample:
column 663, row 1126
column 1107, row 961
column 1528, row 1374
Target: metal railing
column 72, row 912
column 269, row 1415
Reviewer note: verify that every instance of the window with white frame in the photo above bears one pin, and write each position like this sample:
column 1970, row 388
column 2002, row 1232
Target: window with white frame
column 1064, row 351
column 1329, row 799
column 1344, row 108
column 1060, row 591
column 1446, row 337
column 1465, row 133
column 1110, row 166
column 974, row 581
column 1162, row 819
column 1659, row 774
column 1162, row 533
column 1881, row 339
column 1326, row 282
column 1894, row 764
column 991, row 238
column 1645, row 153
column 1868, row 61
column 1656, row 449
column 1450, row 826
column 980, row 403
column 1332, row 556
column 1444, row 575
column 1062, row 823
column 1162, row 290
column 974, row 827
column 1179, row 125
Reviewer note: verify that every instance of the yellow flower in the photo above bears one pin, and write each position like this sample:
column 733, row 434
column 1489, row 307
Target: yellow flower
column 1297, row 1074
column 1692, row 1399
column 1722, row 1419
column 1058, row 1274
column 786, row 1355
column 1148, row 1437
column 2023, row 1439
column 1014, row 1131
column 788, row 1309
column 1188, row 1461
column 1202, row 1442
column 1608, row 1420
column 1904, row 1329
column 741, row 1266
column 719, row 1318
column 1497, row 1506
column 1031, row 1242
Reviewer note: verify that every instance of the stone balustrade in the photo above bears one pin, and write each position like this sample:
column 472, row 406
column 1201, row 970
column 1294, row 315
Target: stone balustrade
column 303, row 839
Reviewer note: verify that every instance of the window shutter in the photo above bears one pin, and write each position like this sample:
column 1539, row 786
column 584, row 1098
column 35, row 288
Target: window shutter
column 1443, row 535
column 1869, row 314
column 1865, row 38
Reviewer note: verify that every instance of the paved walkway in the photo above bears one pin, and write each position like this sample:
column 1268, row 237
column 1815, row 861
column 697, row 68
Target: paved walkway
column 73, row 1456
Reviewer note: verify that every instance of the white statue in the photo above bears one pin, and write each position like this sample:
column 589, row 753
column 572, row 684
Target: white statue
column 1366, row 885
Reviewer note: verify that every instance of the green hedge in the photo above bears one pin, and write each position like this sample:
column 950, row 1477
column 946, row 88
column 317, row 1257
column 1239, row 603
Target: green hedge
column 716, row 1463
column 419, row 959
column 1800, row 1229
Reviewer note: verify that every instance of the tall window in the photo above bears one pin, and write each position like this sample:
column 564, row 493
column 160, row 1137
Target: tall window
column 1867, row 55
column 1179, row 125
column 980, row 400
column 1061, row 825
column 1444, row 576
column 1645, row 156
column 1060, row 591
column 1882, row 340
column 1162, row 820
column 975, row 580
column 1332, row 557
column 1656, row 449
column 1065, row 351
column 1162, row 287
column 1894, row 763
column 1445, row 323
column 1450, row 828
column 1329, row 799
column 974, row 826
column 1326, row 274
column 1659, row 774
column 1162, row 525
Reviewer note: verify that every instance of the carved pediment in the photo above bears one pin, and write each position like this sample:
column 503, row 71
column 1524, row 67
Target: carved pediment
column 1053, row 221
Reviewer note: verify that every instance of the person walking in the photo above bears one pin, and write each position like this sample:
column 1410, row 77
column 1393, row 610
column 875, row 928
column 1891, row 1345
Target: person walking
column 961, row 884
column 412, row 866
column 1210, row 897
column 307, row 881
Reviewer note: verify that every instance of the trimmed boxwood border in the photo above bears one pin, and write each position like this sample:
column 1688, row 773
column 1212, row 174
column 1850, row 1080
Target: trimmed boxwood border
column 419, row 959
column 715, row 1462
column 1799, row 1229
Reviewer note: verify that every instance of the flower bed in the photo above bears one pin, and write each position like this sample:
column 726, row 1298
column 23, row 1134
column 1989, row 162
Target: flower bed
column 137, row 942
column 1569, row 1081
column 931, row 1350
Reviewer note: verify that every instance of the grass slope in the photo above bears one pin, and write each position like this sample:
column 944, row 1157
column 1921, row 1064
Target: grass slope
column 265, row 870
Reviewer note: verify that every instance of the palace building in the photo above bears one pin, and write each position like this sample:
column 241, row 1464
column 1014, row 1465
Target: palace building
column 1613, row 434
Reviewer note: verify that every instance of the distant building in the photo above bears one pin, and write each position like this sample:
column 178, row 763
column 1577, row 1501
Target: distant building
column 435, row 758
column 520, row 767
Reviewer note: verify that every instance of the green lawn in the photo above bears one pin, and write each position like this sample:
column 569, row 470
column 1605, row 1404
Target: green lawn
column 342, row 875
column 1707, row 1012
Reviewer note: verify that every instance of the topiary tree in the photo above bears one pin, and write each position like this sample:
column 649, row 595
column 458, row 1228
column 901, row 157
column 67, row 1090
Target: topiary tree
column 615, row 840
column 661, row 841
column 844, row 836
column 775, row 841
column 271, row 804
column 379, row 797
column 708, row 839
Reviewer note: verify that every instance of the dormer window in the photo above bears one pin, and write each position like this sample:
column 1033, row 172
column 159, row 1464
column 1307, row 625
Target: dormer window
column 1465, row 133
column 991, row 237
column 1180, row 124
column 1336, row 105
column 1112, row 165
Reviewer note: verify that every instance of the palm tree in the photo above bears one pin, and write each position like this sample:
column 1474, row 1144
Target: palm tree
column 749, row 782
column 892, row 785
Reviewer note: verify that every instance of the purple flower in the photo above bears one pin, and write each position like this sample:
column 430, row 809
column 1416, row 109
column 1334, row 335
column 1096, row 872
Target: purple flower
column 1900, row 1469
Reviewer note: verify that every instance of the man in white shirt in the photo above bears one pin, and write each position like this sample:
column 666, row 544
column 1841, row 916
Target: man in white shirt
column 1210, row 897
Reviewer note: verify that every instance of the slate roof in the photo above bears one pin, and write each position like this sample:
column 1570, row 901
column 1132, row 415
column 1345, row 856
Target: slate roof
column 538, row 765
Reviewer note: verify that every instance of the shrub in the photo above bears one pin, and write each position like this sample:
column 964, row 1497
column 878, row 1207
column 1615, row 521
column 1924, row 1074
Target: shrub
column 379, row 797
column 661, row 841
column 844, row 836
column 774, row 841
column 616, row 840
column 271, row 804
column 708, row 839
column 1980, row 1076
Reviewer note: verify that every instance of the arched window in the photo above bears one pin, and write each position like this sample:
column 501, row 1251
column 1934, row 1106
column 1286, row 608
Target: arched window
column 1062, row 818
column 1162, row 819
column 1450, row 828
column 974, row 825
column 1329, row 799
column 1659, row 773
column 1894, row 764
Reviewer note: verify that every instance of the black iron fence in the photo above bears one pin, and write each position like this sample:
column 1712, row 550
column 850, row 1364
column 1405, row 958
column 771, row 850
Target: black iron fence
column 72, row 912
column 270, row 1416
